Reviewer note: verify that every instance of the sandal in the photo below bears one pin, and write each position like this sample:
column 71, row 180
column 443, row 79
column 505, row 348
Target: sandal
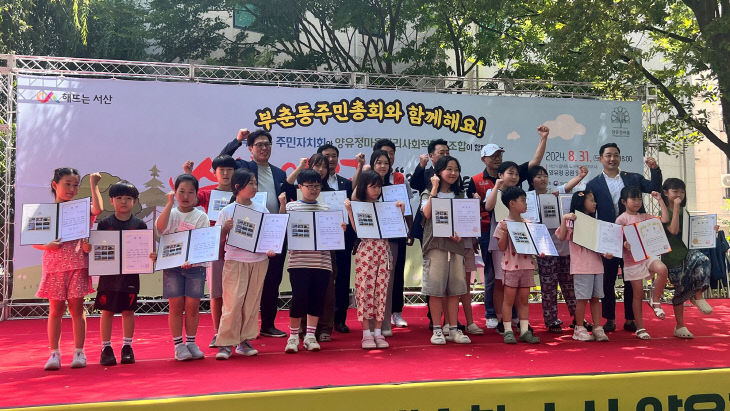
column 657, row 307
column 642, row 334
column 702, row 305
column 683, row 332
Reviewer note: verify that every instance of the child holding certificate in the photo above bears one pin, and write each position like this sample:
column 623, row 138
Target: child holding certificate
column 118, row 293
column 554, row 270
column 183, row 286
column 689, row 270
column 373, row 260
column 518, row 271
column 66, row 271
column 635, row 273
column 223, row 167
column 309, row 271
column 586, row 267
column 243, row 275
column 443, row 258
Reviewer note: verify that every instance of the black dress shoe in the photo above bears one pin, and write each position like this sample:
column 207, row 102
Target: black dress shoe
column 127, row 354
column 107, row 357
column 610, row 326
column 272, row 332
column 630, row 326
column 342, row 328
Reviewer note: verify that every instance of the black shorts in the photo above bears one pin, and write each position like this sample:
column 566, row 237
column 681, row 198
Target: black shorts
column 115, row 301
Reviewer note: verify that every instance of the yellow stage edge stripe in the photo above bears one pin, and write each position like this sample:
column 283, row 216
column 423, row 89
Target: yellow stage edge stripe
column 656, row 390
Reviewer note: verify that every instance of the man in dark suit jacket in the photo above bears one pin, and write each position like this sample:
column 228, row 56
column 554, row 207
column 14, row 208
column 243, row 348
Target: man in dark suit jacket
column 270, row 179
column 343, row 258
column 606, row 188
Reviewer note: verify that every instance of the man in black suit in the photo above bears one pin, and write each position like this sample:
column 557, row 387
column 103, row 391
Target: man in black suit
column 270, row 179
column 343, row 258
column 606, row 189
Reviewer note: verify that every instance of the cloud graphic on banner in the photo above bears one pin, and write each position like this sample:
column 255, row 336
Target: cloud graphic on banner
column 514, row 135
column 565, row 127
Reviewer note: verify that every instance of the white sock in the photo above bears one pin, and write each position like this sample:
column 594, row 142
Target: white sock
column 524, row 324
column 378, row 332
column 366, row 333
column 507, row 325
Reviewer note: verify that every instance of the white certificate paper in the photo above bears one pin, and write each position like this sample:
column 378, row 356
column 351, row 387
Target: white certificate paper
column 653, row 238
column 272, row 233
column 549, row 210
column 245, row 230
column 39, row 223
column 329, row 234
column 466, row 219
column 204, row 244
column 442, row 218
column 137, row 245
column 74, row 219
column 599, row 236
column 564, row 201
column 520, row 236
column 533, row 207
column 105, row 256
column 541, row 239
column 365, row 220
column 261, row 197
column 336, row 201
column 390, row 220
column 698, row 229
column 218, row 200
column 500, row 210
column 172, row 250
column 637, row 249
column 300, row 231
column 398, row 192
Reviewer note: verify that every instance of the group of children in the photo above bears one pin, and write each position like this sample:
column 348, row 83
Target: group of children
column 447, row 264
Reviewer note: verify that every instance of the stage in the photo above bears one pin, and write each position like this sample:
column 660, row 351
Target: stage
column 412, row 374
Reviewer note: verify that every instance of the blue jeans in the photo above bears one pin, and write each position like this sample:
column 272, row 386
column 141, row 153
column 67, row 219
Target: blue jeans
column 488, row 276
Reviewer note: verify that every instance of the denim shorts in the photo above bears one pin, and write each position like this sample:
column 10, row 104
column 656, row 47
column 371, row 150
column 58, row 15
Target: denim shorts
column 178, row 282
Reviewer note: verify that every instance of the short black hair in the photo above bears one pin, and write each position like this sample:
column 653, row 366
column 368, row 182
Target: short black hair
column 367, row 178
column 256, row 134
column 511, row 194
column 308, row 176
column 506, row 166
column 383, row 142
column 186, row 177
column 327, row 147
column 224, row 160
column 607, row 145
column 534, row 171
column 123, row 188
column 578, row 202
column 674, row 184
column 438, row 142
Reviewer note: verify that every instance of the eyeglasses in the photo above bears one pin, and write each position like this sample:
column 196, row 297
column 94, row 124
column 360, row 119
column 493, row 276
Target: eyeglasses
column 262, row 145
column 313, row 186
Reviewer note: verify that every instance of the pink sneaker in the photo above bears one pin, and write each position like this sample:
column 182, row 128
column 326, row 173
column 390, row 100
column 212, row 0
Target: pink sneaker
column 380, row 342
column 368, row 343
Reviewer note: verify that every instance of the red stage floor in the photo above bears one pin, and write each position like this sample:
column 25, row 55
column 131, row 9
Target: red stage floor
column 341, row 362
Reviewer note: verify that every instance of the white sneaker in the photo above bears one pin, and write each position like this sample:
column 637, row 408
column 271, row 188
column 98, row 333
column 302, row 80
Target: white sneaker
column 397, row 320
column 54, row 362
column 224, row 353
column 195, row 351
column 492, row 323
column 445, row 330
column 246, row 349
column 458, row 337
column 581, row 334
column 182, row 353
column 438, row 338
column 311, row 344
column 474, row 329
column 292, row 344
column 79, row 360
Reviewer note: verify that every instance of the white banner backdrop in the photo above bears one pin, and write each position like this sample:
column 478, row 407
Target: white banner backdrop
column 143, row 131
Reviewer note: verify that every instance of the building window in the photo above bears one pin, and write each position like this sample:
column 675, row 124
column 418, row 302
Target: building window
column 242, row 16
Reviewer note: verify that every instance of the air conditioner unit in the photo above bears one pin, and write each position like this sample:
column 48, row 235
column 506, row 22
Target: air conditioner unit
column 725, row 180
